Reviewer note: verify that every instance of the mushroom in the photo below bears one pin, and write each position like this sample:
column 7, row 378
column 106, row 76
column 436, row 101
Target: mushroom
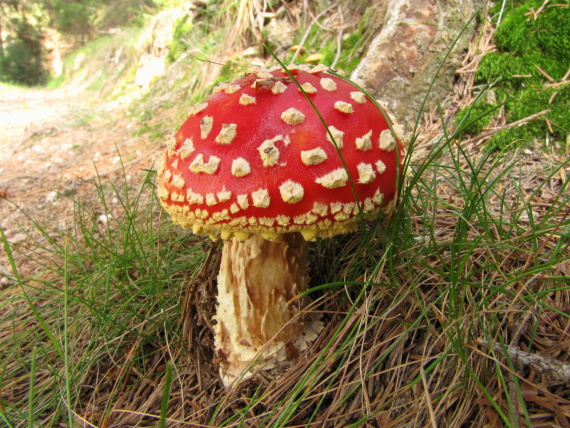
column 255, row 166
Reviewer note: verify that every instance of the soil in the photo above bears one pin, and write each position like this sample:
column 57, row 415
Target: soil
column 61, row 128
column 54, row 146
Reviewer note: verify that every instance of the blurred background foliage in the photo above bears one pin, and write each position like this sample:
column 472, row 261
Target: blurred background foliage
column 28, row 26
column 32, row 32
column 109, row 45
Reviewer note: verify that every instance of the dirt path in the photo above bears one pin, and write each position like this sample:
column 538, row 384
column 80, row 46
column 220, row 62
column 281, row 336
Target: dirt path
column 55, row 134
column 25, row 109
column 56, row 142
column 26, row 114
column 27, row 118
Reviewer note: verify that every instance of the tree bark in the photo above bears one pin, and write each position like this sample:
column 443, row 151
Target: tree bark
column 403, row 59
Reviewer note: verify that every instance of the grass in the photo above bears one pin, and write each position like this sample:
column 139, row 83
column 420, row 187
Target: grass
column 419, row 311
column 455, row 311
column 95, row 276
column 89, row 67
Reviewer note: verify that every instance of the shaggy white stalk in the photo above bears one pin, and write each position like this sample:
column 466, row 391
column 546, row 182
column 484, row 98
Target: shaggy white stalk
column 254, row 321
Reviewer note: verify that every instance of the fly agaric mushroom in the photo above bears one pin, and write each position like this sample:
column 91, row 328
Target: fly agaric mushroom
column 255, row 166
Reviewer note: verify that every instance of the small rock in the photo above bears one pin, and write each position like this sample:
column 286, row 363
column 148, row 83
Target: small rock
column 51, row 197
column 525, row 218
column 103, row 219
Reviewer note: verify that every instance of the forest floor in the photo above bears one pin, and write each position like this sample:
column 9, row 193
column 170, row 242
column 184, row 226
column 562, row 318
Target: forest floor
column 53, row 141
column 55, row 144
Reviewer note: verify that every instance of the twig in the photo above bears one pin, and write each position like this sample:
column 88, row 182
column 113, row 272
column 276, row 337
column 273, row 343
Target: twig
column 338, row 40
column 512, row 387
column 540, row 364
column 537, row 12
column 545, row 74
column 507, row 126
column 556, row 84
column 562, row 82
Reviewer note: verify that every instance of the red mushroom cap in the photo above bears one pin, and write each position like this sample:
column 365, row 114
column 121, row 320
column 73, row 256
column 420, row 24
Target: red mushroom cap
column 256, row 158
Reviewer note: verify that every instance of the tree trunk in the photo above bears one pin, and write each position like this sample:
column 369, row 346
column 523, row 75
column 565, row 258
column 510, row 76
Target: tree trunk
column 403, row 59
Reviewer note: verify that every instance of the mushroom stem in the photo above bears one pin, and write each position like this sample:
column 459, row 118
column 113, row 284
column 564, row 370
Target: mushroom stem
column 255, row 322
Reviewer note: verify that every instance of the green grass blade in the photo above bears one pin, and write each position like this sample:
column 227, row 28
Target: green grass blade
column 31, row 305
column 32, row 390
column 166, row 395
column 66, row 362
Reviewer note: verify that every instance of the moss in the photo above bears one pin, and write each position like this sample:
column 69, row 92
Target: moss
column 474, row 118
column 348, row 59
column 179, row 42
column 351, row 45
column 514, row 71
column 524, row 43
column 532, row 101
column 525, row 46
column 548, row 35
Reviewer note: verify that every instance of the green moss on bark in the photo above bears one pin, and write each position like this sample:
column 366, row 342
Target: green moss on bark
column 530, row 47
